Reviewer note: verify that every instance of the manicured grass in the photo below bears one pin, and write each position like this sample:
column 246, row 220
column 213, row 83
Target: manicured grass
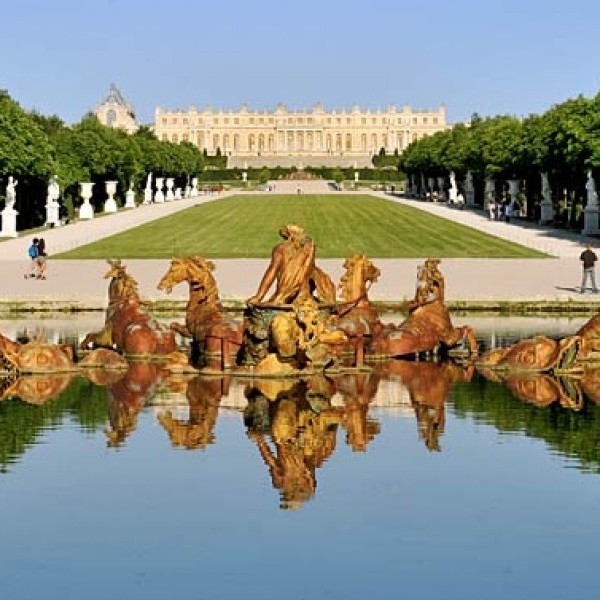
column 246, row 226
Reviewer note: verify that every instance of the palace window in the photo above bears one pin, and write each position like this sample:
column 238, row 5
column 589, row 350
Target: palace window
column 165, row 137
column 329, row 121
column 185, row 121
column 435, row 120
column 339, row 121
column 251, row 120
column 174, row 138
column 236, row 121
column 309, row 120
column 164, row 121
column 226, row 121
column 199, row 121
column 300, row 121
column 363, row 121
column 414, row 120
column 271, row 121
column 174, row 121
column 216, row 121
column 425, row 120
column 348, row 121
column 374, row 120
column 185, row 137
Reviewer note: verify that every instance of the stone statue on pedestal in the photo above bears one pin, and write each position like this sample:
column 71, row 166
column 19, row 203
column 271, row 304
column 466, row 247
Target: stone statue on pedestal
column 52, row 203
column 11, row 193
column 590, row 186
column 453, row 191
column 469, row 189
column 9, row 214
column 546, row 205
column 148, row 190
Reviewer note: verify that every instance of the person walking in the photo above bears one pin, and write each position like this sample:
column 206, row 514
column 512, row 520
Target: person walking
column 588, row 259
column 41, row 259
column 32, row 251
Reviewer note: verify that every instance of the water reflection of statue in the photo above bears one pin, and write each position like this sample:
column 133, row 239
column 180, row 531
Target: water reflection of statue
column 302, row 427
column 590, row 186
column 11, row 193
column 203, row 396
column 294, row 271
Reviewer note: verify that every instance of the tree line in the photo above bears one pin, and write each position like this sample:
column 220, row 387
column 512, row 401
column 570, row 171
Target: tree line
column 564, row 142
column 33, row 147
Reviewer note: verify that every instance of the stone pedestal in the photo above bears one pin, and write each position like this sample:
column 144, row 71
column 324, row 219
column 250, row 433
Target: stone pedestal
column 110, row 205
column 470, row 194
column 86, row 210
column 130, row 199
column 9, row 223
column 513, row 189
column 546, row 212
column 590, row 220
column 159, row 196
column 52, row 216
column 147, row 196
column 170, row 195
column 178, row 195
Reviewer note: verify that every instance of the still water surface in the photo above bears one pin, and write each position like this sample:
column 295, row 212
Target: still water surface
column 418, row 480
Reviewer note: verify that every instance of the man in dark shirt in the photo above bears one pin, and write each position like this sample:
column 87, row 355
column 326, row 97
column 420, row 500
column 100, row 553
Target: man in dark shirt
column 588, row 258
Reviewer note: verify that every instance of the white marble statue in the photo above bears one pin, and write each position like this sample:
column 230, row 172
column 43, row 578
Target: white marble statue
column 9, row 214
column 546, row 190
column 590, row 186
column 453, row 191
column 148, row 190
column 469, row 189
column 52, row 203
column 195, row 191
column 11, row 193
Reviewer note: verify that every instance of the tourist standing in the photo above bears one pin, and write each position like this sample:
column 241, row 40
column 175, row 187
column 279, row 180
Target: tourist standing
column 32, row 251
column 41, row 259
column 588, row 259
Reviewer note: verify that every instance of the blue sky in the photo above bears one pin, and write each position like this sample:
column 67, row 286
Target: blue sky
column 492, row 57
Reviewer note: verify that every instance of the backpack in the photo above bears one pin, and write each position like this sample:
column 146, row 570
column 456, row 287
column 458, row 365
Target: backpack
column 32, row 251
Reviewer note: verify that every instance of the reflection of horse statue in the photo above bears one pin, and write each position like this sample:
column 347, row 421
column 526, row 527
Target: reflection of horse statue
column 356, row 314
column 203, row 396
column 429, row 386
column 538, row 354
column 205, row 322
column 127, row 397
column 128, row 326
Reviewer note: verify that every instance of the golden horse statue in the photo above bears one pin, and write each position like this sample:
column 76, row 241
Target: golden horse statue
column 128, row 327
column 205, row 322
column 428, row 325
column 357, row 316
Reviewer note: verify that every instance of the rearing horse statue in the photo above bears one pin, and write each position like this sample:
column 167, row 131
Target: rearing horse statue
column 213, row 332
column 128, row 327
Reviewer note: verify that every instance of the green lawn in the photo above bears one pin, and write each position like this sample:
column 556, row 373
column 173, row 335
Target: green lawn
column 246, row 226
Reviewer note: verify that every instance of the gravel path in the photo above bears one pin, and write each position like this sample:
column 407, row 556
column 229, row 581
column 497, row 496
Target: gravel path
column 80, row 283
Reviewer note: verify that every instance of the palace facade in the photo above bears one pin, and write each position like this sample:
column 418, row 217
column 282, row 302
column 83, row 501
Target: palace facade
column 316, row 132
column 283, row 136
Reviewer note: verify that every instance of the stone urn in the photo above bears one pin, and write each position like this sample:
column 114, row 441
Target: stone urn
column 170, row 195
column 110, row 205
column 159, row 196
column 86, row 210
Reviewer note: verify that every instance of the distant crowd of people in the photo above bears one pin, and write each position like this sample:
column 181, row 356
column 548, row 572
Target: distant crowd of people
column 37, row 254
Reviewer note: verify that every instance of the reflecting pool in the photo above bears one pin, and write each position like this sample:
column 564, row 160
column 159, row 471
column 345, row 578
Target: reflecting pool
column 422, row 479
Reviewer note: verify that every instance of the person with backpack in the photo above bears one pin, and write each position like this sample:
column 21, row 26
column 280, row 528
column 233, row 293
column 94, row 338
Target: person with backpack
column 32, row 251
column 41, row 259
